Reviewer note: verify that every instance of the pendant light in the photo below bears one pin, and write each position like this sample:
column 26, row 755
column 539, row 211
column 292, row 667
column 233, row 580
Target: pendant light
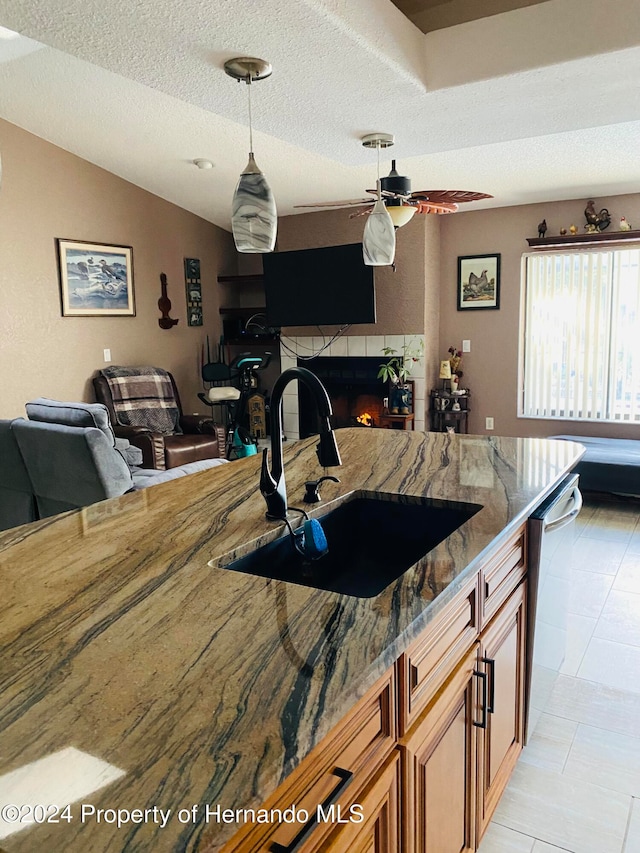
column 254, row 219
column 379, row 238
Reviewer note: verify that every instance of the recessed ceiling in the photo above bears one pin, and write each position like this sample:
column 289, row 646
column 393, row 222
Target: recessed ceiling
column 430, row 15
column 523, row 105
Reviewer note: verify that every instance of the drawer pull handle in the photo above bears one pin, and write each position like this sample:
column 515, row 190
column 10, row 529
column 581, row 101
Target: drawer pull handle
column 345, row 777
column 492, row 683
column 483, row 678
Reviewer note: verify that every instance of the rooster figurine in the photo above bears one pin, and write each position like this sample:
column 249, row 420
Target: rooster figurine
column 624, row 225
column 542, row 227
column 596, row 221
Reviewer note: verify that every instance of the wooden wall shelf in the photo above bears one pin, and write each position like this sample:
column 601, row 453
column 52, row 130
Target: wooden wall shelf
column 585, row 238
column 240, row 279
column 242, row 312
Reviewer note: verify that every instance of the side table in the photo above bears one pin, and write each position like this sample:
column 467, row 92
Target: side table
column 397, row 421
column 442, row 418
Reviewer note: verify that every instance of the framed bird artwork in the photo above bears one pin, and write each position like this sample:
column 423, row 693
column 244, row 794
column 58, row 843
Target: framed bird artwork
column 96, row 279
column 478, row 282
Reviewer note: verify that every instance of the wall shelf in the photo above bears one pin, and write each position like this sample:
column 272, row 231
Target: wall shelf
column 585, row 238
column 242, row 312
column 240, row 279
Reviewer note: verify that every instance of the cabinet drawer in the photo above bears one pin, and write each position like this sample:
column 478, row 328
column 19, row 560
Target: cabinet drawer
column 333, row 773
column 502, row 574
column 424, row 667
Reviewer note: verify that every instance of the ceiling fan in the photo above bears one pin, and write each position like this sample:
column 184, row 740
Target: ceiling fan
column 400, row 201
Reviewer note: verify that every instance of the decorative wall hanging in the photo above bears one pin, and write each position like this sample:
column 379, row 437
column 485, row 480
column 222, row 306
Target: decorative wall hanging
column 164, row 304
column 478, row 281
column 193, row 286
column 96, row 279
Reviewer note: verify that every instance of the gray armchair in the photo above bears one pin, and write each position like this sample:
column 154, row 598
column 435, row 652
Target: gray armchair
column 73, row 458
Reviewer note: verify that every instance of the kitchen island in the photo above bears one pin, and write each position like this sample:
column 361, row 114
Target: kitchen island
column 195, row 685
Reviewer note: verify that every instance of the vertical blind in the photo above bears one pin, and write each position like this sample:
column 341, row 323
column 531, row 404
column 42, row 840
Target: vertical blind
column 581, row 336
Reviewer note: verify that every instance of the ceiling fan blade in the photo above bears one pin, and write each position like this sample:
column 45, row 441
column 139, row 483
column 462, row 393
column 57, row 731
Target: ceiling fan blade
column 353, row 202
column 390, row 194
column 362, row 212
column 432, row 207
column 448, row 196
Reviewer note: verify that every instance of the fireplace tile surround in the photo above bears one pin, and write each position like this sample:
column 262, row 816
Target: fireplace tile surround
column 348, row 345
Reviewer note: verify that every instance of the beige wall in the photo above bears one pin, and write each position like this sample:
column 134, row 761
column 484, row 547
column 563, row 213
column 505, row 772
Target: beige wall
column 399, row 294
column 491, row 368
column 47, row 193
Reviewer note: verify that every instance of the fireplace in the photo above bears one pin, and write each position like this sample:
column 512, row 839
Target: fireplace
column 354, row 389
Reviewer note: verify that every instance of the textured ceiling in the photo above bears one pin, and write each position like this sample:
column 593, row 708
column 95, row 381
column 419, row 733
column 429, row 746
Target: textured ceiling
column 523, row 105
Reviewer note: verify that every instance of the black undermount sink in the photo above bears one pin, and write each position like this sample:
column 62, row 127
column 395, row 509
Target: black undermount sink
column 372, row 539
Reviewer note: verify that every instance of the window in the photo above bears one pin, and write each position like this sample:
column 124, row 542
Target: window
column 580, row 336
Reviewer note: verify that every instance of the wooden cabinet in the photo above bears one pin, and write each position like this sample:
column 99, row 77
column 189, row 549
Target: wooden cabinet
column 333, row 777
column 456, row 700
column 439, row 768
column 429, row 661
column 502, row 660
column 459, row 754
column 501, row 573
column 379, row 830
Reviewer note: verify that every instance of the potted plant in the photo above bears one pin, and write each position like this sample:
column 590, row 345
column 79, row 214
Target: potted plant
column 397, row 370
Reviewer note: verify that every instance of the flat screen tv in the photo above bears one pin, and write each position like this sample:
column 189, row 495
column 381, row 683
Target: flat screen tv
column 319, row 287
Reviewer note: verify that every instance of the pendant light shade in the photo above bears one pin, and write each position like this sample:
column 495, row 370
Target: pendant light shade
column 254, row 218
column 379, row 238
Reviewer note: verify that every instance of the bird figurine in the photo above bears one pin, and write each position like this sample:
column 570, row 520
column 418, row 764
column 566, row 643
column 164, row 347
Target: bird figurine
column 542, row 227
column 624, row 225
column 563, row 231
column 596, row 221
column 573, row 229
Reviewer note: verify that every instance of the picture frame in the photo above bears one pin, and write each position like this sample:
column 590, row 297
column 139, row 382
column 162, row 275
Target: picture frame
column 478, row 282
column 96, row 279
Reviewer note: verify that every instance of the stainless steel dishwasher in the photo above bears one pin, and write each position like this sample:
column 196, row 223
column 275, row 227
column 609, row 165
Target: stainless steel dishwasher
column 551, row 534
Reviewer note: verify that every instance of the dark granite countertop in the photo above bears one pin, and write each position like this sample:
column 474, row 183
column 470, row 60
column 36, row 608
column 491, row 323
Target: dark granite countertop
column 134, row 675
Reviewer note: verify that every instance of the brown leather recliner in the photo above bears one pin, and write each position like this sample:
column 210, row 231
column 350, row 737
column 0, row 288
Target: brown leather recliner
column 201, row 438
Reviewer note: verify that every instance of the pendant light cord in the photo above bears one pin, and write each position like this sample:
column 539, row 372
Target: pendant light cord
column 250, row 123
column 378, row 184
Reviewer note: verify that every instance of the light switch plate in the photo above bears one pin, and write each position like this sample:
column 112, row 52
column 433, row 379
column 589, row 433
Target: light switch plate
column 466, row 346
column 107, row 355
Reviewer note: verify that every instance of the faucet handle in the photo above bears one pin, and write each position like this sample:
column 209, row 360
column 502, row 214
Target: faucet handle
column 312, row 495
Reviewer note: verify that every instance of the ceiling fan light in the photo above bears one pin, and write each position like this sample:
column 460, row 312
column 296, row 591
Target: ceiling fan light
column 254, row 219
column 401, row 214
column 379, row 238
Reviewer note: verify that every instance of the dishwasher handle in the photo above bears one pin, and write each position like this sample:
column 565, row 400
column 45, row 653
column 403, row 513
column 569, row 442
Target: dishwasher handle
column 568, row 517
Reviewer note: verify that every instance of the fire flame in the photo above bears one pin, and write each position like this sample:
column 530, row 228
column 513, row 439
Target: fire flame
column 365, row 418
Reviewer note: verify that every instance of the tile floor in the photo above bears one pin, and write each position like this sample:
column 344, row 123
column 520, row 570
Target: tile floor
column 577, row 784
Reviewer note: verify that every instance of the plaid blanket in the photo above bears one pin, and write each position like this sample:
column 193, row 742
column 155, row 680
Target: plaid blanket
column 143, row 396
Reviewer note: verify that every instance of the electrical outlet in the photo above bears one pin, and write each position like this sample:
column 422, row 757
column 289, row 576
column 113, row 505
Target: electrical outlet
column 466, row 346
column 107, row 355
column 488, row 423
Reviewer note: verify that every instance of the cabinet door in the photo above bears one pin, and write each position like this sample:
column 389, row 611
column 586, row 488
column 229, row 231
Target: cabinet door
column 439, row 768
column 379, row 830
column 502, row 658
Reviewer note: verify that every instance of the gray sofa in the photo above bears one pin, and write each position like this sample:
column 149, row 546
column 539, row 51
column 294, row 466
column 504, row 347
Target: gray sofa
column 69, row 457
column 17, row 499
